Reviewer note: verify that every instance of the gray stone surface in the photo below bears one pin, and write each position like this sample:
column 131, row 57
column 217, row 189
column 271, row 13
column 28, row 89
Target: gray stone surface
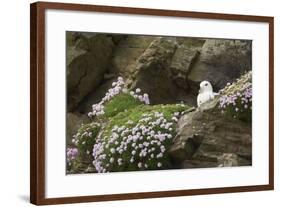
column 86, row 71
column 221, row 61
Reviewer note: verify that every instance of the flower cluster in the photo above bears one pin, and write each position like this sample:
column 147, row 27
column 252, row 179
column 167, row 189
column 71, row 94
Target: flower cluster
column 85, row 138
column 142, row 98
column 136, row 145
column 238, row 104
column 98, row 109
column 117, row 88
column 71, row 154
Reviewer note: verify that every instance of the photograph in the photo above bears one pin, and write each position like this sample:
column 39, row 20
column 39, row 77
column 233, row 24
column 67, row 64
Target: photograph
column 147, row 102
column 140, row 103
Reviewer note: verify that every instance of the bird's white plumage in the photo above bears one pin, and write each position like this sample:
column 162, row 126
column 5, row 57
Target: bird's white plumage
column 205, row 93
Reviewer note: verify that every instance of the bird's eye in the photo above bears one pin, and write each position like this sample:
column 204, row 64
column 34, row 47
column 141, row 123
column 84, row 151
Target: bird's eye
column 206, row 84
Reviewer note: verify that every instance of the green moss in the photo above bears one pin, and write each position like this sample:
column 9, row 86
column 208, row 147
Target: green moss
column 135, row 114
column 119, row 104
column 136, row 118
column 86, row 138
column 130, row 129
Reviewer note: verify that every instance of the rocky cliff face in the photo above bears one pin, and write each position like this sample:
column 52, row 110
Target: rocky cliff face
column 207, row 137
column 88, row 59
column 169, row 69
column 180, row 64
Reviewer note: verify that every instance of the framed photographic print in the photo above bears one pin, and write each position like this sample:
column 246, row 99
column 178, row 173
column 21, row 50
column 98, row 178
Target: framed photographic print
column 131, row 103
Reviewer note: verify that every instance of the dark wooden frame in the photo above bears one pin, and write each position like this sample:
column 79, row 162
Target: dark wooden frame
column 37, row 102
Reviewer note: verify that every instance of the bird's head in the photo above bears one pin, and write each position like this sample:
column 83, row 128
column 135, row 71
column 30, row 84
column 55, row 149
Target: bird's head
column 205, row 86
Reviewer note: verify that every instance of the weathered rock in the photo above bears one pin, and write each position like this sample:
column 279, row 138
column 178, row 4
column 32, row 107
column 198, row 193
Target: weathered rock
column 140, row 57
column 228, row 160
column 73, row 48
column 122, row 63
column 85, row 70
column 181, row 64
column 126, row 54
column 189, row 42
column 169, row 69
column 73, row 122
column 152, row 71
column 215, row 135
column 220, row 62
column 185, row 148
